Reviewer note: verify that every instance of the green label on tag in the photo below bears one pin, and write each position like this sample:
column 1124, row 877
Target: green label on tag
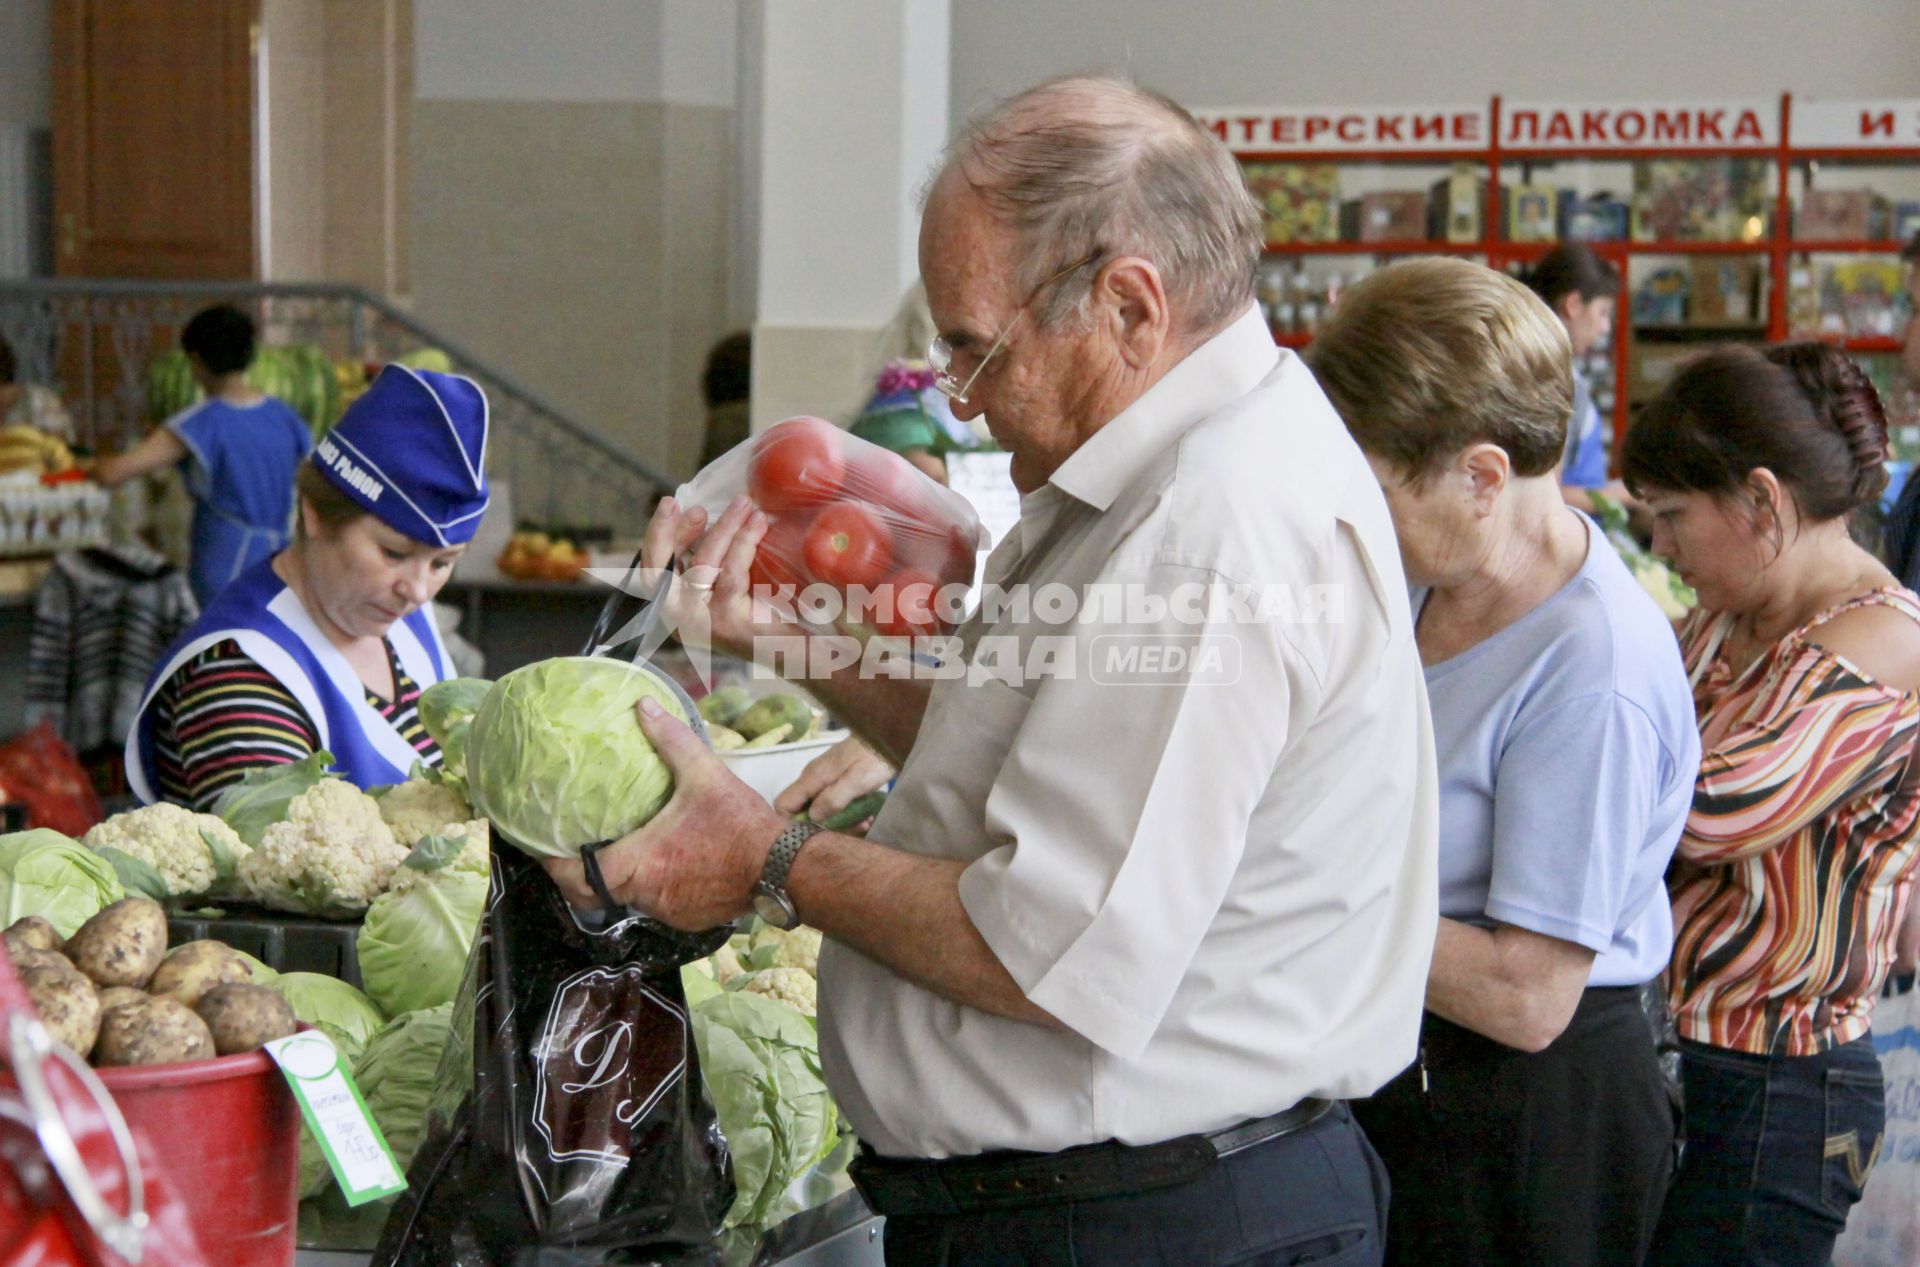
column 337, row 1116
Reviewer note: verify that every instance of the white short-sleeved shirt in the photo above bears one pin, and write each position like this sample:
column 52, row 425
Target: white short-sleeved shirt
column 1217, row 869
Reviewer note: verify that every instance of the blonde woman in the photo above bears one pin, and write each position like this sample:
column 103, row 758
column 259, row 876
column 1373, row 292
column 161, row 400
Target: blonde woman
column 1535, row 1126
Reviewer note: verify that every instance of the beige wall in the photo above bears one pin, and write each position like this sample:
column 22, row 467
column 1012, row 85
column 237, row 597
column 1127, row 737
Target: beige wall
column 581, row 247
column 294, row 205
column 339, row 88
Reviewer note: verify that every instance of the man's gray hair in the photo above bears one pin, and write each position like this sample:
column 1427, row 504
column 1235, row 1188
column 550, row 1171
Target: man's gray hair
column 1091, row 166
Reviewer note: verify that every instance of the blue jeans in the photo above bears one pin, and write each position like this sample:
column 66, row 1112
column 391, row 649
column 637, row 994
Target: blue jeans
column 1778, row 1150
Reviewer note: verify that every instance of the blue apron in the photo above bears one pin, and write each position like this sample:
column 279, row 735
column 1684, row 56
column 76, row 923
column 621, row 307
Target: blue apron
column 240, row 468
column 272, row 627
column 224, row 546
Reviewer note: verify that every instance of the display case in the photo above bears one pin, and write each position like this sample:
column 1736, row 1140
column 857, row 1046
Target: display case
column 1753, row 220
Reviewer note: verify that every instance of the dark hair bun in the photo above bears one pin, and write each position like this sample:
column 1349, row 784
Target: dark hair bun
column 1846, row 399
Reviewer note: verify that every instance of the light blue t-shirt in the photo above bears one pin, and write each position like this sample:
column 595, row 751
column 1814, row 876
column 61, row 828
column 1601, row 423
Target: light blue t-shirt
column 1567, row 751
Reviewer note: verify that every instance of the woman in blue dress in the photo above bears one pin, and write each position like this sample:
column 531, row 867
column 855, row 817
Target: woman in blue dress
column 237, row 451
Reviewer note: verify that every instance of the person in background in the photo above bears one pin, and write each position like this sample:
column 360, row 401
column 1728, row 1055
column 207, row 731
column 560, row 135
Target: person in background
column 328, row 644
column 29, row 404
column 1110, row 958
column 1581, row 289
column 1910, row 337
column 1535, row 1126
column 900, row 419
column 237, row 450
column 727, row 386
column 1799, row 853
column 1900, row 534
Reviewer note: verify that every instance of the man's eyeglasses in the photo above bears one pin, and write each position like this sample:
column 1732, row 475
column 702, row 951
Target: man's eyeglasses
column 948, row 362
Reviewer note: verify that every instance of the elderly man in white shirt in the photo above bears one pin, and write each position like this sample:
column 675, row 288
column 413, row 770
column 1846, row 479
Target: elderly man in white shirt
column 1156, row 887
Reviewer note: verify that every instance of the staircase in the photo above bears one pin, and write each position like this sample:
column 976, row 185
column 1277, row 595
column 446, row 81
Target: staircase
column 93, row 340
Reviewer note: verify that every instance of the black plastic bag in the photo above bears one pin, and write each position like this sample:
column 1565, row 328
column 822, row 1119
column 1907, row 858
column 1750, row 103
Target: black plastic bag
column 569, row 1125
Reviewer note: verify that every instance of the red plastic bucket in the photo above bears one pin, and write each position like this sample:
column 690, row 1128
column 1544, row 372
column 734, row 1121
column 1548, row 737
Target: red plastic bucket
column 226, row 1132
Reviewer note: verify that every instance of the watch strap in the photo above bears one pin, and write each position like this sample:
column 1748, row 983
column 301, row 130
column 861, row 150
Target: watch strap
column 786, row 847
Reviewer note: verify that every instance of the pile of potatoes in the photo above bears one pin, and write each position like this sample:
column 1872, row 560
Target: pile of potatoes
column 115, row 994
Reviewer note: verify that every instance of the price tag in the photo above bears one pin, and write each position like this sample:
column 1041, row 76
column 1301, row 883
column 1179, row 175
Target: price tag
column 337, row 1116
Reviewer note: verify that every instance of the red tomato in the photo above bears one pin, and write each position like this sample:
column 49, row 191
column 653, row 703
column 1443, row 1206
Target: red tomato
column 961, row 559
column 848, row 545
column 797, row 464
column 890, row 481
column 777, row 561
column 914, row 611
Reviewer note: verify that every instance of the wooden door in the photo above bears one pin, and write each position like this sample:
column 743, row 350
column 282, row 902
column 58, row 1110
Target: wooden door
column 153, row 137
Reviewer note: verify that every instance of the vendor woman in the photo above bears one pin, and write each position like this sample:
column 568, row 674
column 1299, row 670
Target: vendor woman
column 328, row 644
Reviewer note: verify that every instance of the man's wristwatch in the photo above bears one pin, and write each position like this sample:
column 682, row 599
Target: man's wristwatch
column 770, row 899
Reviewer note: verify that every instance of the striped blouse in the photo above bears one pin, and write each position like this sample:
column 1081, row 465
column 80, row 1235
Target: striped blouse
column 221, row 715
column 1800, row 852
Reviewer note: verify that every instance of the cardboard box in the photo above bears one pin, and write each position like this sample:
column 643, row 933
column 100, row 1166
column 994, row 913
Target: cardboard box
column 1651, row 367
column 1454, row 206
column 1840, row 215
column 1397, row 215
column 1532, row 213
column 1906, row 221
column 1600, row 218
column 1725, row 291
column 1700, row 200
column 1300, row 201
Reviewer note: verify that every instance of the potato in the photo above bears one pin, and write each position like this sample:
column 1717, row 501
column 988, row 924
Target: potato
column 119, row 996
column 32, row 932
column 123, row 944
column 241, row 1017
column 30, row 958
column 189, row 971
column 151, row 1032
column 67, row 1005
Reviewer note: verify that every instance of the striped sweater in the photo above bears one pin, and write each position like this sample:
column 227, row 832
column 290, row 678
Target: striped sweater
column 1800, row 853
column 221, row 715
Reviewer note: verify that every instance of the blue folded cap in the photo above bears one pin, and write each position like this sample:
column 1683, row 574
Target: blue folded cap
column 412, row 450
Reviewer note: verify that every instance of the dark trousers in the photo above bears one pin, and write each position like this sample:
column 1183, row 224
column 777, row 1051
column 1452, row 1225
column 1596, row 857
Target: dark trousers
column 1506, row 1158
column 1778, row 1150
column 1318, row 1196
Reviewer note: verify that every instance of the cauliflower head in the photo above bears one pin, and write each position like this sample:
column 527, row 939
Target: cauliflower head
column 476, row 854
column 791, row 948
column 790, row 986
column 725, row 964
column 333, row 852
column 421, row 807
column 168, row 838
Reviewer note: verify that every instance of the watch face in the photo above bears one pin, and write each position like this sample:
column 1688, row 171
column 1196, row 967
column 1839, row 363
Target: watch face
column 774, row 909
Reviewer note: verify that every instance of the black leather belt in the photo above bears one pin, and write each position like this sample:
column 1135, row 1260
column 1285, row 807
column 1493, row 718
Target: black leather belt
column 1005, row 1180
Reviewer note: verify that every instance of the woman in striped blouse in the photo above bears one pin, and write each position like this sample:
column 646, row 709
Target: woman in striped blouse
column 1798, row 858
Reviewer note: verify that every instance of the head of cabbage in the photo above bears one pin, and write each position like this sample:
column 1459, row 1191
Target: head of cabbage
column 556, row 757
column 413, row 946
column 333, row 1007
column 45, row 873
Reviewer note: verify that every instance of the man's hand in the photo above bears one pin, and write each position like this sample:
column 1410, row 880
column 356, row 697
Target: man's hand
column 713, row 603
column 834, row 780
column 694, row 866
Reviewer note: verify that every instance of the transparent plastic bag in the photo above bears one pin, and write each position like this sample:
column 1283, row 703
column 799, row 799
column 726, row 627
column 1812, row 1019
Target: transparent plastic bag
column 860, row 540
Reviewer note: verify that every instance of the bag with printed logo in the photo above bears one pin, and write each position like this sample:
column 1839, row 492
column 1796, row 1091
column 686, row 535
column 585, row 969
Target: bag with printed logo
column 569, row 1125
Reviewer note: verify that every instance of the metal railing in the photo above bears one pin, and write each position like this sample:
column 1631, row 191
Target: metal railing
column 93, row 341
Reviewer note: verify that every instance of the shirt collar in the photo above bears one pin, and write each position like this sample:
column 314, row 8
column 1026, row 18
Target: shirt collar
column 1221, row 370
